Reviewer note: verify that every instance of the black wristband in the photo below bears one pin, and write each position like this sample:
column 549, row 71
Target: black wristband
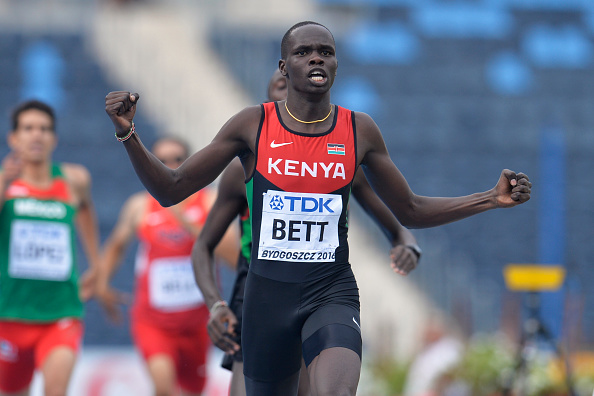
column 416, row 250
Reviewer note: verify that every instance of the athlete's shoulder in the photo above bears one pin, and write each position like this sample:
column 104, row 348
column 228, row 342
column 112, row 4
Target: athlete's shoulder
column 363, row 120
column 77, row 170
column 138, row 198
column 134, row 207
column 249, row 114
column 243, row 124
column 366, row 126
column 369, row 136
column 76, row 174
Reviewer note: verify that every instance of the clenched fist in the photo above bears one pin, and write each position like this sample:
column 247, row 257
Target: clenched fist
column 120, row 106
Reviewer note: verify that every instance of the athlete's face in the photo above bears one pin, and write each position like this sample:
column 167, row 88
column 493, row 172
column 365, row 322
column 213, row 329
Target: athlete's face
column 170, row 153
column 311, row 60
column 34, row 139
column 277, row 88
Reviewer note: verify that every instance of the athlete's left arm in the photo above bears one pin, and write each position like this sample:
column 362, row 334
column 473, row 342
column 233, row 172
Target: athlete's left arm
column 79, row 179
column 228, row 247
column 419, row 211
column 404, row 253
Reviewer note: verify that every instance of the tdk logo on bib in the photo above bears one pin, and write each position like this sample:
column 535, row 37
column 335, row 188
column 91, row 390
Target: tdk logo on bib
column 276, row 203
column 304, row 204
column 299, row 226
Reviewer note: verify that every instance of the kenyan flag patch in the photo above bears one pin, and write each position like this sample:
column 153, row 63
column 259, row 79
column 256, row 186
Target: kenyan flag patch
column 334, row 148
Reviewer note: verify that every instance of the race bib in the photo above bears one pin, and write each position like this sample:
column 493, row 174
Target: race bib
column 40, row 250
column 299, row 226
column 172, row 286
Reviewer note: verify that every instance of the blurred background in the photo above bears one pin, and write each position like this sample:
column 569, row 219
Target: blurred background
column 461, row 89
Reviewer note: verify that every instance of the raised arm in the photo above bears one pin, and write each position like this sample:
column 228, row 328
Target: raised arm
column 405, row 252
column 417, row 211
column 231, row 201
column 171, row 186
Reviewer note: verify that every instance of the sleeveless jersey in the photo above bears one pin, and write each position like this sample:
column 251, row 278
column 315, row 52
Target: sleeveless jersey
column 38, row 274
column 298, row 198
column 166, row 293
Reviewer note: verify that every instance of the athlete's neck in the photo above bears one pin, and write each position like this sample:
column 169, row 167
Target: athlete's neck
column 38, row 174
column 308, row 107
column 307, row 116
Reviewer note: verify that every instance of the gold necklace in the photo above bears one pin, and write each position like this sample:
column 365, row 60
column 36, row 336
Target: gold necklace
column 307, row 122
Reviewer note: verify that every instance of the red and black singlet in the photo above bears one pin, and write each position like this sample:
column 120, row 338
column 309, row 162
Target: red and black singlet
column 298, row 197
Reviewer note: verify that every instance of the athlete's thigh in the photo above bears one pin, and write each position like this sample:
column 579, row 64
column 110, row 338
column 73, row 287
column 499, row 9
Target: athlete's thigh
column 271, row 333
column 335, row 371
column 161, row 368
column 66, row 333
column 57, row 369
column 151, row 340
column 332, row 325
column 56, row 354
column 287, row 386
column 193, row 351
column 158, row 351
column 16, row 365
column 303, row 381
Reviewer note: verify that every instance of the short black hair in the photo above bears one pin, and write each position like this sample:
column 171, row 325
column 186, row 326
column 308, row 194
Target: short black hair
column 174, row 139
column 285, row 40
column 32, row 105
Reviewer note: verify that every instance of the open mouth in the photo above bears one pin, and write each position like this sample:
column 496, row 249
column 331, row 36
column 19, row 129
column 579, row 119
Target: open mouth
column 317, row 76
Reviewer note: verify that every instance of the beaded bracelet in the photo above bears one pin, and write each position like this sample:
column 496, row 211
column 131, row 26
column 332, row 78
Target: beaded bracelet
column 130, row 133
column 217, row 304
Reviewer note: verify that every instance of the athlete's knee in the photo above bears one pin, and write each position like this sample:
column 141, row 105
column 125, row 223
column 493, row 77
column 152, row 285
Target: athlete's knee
column 163, row 390
column 55, row 389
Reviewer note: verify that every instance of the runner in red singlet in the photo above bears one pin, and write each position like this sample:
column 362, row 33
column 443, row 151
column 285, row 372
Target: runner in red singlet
column 168, row 315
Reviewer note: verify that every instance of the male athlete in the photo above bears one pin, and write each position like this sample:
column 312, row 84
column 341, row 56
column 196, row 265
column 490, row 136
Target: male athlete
column 42, row 204
column 300, row 156
column 169, row 315
column 224, row 325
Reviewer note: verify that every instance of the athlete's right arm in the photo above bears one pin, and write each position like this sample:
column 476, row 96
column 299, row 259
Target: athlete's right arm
column 170, row 186
column 231, row 201
column 12, row 166
column 113, row 251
